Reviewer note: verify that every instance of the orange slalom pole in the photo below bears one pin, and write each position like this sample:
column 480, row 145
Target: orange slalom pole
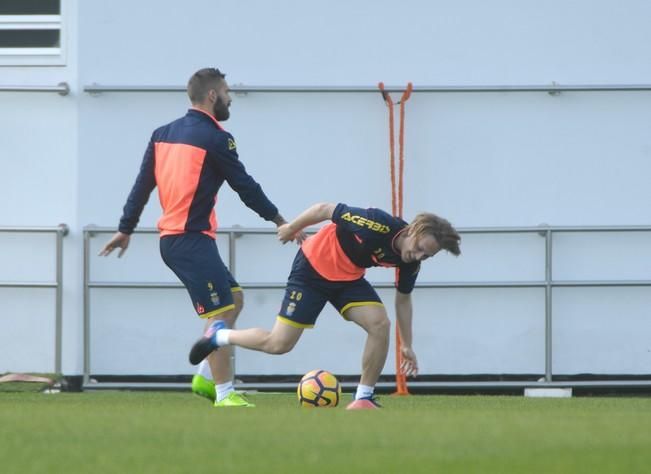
column 397, row 204
column 401, row 141
column 401, row 378
column 392, row 146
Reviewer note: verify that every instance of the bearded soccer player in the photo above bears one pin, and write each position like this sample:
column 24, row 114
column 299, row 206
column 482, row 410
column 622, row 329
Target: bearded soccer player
column 189, row 160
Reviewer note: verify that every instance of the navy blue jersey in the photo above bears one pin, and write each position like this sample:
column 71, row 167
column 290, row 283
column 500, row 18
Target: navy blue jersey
column 358, row 239
column 189, row 159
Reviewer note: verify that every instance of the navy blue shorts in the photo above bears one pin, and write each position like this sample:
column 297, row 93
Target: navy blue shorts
column 307, row 293
column 194, row 258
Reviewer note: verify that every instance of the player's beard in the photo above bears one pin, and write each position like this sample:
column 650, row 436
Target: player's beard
column 220, row 110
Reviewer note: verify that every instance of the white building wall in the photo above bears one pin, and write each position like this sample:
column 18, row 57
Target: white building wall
column 39, row 187
column 479, row 159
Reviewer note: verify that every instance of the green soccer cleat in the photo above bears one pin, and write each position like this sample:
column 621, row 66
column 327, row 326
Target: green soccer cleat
column 234, row 399
column 203, row 387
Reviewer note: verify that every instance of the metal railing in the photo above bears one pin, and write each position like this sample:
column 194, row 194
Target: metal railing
column 552, row 89
column 547, row 284
column 60, row 231
column 62, row 88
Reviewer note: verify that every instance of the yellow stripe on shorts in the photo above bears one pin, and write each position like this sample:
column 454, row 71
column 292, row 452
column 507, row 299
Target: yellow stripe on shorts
column 359, row 303
column 294, row 323
column 217, row 311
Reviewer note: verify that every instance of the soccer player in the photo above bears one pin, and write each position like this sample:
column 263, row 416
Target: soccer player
column 189, row 159
column 330, row 267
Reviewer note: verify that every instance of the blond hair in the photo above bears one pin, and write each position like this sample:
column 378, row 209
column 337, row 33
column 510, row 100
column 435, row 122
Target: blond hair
column 446, row 236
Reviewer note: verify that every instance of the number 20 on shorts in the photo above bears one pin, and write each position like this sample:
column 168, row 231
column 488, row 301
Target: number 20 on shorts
column 296, row 295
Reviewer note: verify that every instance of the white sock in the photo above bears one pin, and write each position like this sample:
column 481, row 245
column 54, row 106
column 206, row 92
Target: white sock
column 364, row 391
column 222, row 337
column 223, row 389
column 204, row 370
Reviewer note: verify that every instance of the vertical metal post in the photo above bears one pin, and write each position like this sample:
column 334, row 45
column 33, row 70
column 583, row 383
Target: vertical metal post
column 58, row 322
column 86, row 296
column 548, row 305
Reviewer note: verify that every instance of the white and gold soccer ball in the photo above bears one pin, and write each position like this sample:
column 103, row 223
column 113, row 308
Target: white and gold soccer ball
column 319, row 388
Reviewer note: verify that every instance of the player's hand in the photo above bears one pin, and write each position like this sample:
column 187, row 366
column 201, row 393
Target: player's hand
column 119, row 240
column 300, row 237
column 409, row 365
column 286, row 234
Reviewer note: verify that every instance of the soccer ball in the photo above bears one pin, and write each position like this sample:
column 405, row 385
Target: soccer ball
column 319, row 388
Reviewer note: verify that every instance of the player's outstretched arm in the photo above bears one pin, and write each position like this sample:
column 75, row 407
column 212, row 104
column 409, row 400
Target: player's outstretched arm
column 312, row 215
column 404, row 317
column 119, row 240
column 299, row 237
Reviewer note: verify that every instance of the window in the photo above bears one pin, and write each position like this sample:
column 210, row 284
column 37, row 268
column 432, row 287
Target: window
column 31, row 32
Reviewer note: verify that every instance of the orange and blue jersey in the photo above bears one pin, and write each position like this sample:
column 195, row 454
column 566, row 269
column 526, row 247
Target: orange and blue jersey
column 189, row 160
column 358, row 239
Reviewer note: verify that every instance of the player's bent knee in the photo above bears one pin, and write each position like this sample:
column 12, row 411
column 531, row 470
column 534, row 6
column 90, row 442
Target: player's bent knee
column 280, row 347
column 380, row 326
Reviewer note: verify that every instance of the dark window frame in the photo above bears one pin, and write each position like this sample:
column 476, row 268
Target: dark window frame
column 46, row 46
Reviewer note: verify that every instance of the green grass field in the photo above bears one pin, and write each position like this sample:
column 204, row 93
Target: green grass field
column 171, row 432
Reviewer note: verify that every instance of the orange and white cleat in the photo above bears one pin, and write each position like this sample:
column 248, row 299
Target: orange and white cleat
column 369, row 403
